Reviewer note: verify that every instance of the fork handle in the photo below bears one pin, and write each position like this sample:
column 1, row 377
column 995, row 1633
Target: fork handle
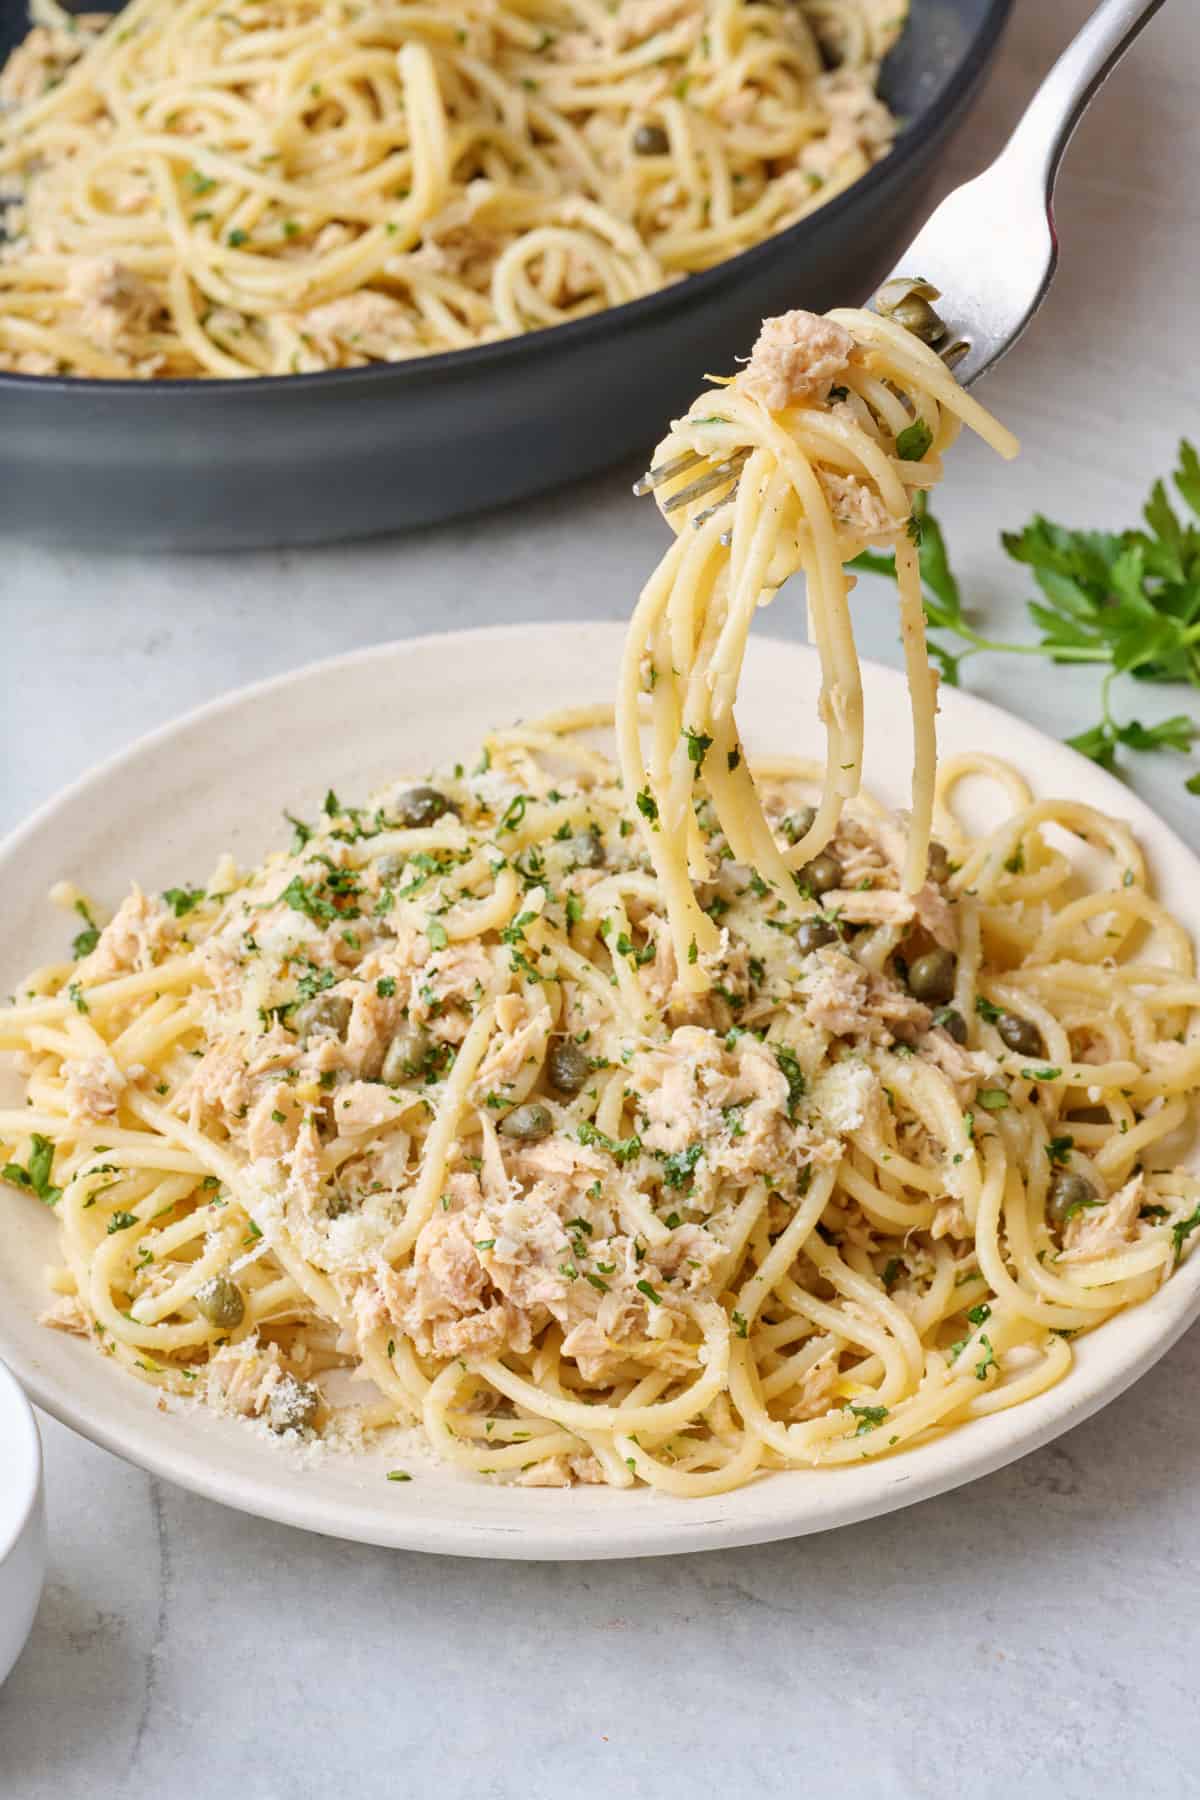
column 1048, row 123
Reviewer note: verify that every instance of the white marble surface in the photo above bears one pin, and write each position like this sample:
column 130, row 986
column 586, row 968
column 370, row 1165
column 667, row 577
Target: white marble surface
column 1035, row 1633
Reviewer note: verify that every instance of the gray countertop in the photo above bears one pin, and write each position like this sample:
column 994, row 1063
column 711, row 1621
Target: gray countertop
column 1026, row 1635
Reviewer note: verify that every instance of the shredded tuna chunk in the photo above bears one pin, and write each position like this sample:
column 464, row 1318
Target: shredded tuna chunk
column 849, row 1001
column 241, row 1377
column 138, row 935
column 41, row 60
column 818, row 1390
column 856, row 506
column 94, row 1085
column 369, row 323
column 797, row 356
column 68, row 1314
column 364, row 1106
column 116, row 306
column 1103, row 1230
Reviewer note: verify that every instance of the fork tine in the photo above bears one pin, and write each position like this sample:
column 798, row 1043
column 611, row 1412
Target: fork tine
column 724, row 472
column 676, row 466
column 702, row 518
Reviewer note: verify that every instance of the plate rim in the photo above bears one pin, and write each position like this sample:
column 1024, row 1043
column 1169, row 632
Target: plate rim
column 634, row 1530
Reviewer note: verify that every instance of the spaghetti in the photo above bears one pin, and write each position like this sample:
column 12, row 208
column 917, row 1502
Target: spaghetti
column 264, row 187
column 657, row 1127
column 814, row 451
column 424, row 1099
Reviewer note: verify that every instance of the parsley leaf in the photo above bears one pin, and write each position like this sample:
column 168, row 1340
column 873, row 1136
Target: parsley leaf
column 36, row 1177
column 794, row 1076
column 870, row 1418
column 85, row 942
column 698, row 746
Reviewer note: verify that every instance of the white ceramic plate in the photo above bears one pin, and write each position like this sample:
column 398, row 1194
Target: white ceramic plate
column 219, row 780
column 22, row 1521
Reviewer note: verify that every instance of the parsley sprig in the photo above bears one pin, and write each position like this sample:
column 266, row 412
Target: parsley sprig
column 1127, row 601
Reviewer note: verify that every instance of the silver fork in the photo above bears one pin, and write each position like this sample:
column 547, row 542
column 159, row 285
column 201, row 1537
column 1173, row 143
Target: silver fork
column 990, row 250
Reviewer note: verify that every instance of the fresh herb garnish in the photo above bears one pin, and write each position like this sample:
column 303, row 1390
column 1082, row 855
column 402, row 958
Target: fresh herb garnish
column 1128, row 602
column 36, row 1176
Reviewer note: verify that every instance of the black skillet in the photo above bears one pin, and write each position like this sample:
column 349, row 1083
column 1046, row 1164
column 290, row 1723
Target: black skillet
column 304, row 458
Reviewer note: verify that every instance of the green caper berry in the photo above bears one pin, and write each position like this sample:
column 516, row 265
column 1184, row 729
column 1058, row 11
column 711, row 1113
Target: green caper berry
column 422, row 806
column 220, row 1301
column 1021, row 1035
column 822, row 874
column 812, row 934
column 650, row 140
column 328, row 1012
column 529, row 1124
column 405, row 1055
column 567, row 1066
column 916, row 315
column 952, row 1023
column 587, row 851
column 1068, row 1193
column 931, row 977
column 292, row 1405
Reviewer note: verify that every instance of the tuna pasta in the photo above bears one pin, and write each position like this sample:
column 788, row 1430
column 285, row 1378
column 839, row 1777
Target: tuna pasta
column 269, row 187
column 658, row 1123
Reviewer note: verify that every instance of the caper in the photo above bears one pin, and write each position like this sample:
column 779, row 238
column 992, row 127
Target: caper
column 422, row 806
column 1021, row 1035
column 938, row 866
column 650, row 140
column 529, row 1124
column 931, row 977
column 1069, row 1192
column 813, row 933
column 292, row 1404
column 952, row 1023
column 567, row 1066
column 587, row 851
column 220, row 1301
column 916, row 315
column 908, row 302
column 405, row 1055
column 798, row 825
column 821, row 874
column 329, row 1012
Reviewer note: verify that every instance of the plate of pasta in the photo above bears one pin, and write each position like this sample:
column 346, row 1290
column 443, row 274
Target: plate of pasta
column 154, row 811
column 610, row 1130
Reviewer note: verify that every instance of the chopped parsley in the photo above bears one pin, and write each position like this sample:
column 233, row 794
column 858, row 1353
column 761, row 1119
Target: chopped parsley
column 644, row 1287
column 1181, row 1231
column 86, row 940
column 36, row 1177
column 698, row 746
column 679, row 1168
column 794, row 1076
column 647, row 805
column 182, row 900
column 870, row 1418
column 621, row 1150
